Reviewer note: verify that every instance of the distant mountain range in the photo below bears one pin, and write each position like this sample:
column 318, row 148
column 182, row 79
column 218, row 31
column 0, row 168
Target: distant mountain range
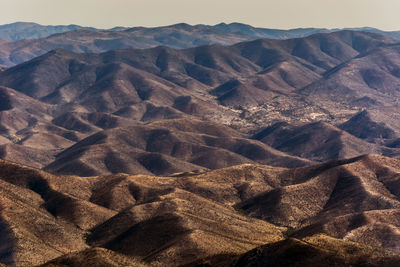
column 20, row 41
column 292, row 33
column 27, row 30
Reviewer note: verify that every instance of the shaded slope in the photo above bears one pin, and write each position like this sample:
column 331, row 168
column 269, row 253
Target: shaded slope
column 33, row 228
column 94, row 257
column 369, row 80
column 117, row 80
column 322, row 51
column 317, row 141
column 372, row 125
column 317, row 250
column 189, row 217
column 236, row 94
column 165, row 147
column 59, row 211
column 332, row 192
column 173, row 230
column 25, row 130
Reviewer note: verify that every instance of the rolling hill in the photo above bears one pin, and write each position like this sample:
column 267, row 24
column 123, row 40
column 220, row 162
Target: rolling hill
column 88, row 116
column 305, row 140
column 163, row 149
column 207, row 216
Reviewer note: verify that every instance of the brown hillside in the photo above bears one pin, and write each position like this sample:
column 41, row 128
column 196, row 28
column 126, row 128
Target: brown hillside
column 164, row 148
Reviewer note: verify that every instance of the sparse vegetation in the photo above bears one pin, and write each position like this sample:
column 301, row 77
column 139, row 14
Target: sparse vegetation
column 203, row 120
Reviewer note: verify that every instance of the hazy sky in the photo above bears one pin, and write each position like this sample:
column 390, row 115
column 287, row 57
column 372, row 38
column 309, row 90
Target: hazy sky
column 281, row 14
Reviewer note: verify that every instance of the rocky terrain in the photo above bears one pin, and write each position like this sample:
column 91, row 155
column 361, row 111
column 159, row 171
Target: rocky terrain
column 335, row 210
column 265, row 152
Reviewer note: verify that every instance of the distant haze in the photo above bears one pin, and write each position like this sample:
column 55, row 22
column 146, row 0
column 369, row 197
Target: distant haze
column 282, row 14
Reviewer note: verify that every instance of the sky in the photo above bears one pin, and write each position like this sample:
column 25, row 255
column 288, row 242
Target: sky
column 278, row 14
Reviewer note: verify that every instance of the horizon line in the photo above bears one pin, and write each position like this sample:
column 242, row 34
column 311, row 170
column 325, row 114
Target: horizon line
column 194, row 25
